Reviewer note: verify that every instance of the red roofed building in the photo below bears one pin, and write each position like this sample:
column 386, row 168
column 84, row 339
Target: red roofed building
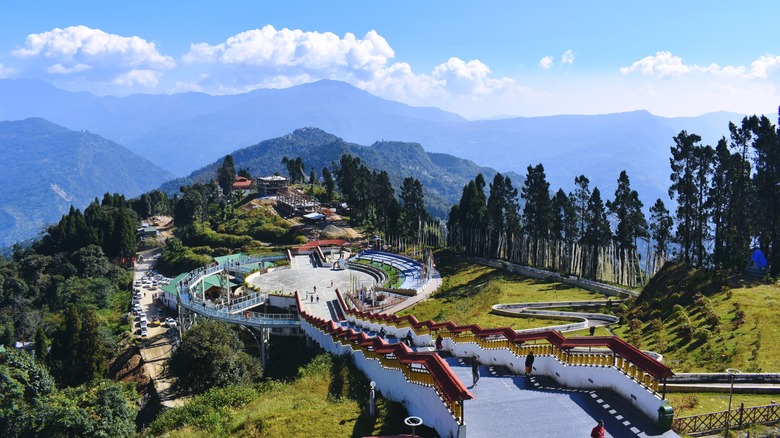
column 242, row 183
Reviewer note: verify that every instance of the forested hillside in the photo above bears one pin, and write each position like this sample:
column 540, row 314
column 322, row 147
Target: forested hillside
column 442, row 175
column 48, row 168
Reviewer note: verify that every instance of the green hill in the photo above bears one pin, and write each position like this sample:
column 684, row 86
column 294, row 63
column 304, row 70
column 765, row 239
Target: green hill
column 443, row 176
column 705, row 321
column 48, row 168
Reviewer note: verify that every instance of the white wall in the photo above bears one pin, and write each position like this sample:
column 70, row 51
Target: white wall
column 573, row 376
column 420, row 401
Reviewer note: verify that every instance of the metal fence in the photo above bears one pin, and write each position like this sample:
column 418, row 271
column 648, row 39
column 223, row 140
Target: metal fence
column 714, row 421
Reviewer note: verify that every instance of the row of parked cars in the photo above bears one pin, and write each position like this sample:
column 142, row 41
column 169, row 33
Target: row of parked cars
column 151, row 280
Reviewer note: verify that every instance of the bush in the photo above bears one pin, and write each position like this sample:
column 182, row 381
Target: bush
column 204, row 409
column 702, row 334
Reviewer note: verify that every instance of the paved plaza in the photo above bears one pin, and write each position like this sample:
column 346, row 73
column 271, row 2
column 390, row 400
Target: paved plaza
column 303, row 277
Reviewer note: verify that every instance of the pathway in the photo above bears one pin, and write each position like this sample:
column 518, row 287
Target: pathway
column 507, row 405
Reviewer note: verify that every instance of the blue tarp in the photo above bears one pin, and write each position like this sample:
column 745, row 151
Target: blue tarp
column 759, row 261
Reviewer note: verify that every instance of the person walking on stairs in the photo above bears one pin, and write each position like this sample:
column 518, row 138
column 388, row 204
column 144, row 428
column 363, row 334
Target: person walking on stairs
column 529, row 363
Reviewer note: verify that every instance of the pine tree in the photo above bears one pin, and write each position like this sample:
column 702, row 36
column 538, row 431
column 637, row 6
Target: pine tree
column 537, row 212
column 580, row 199
column 661, row 224
column 683, row 188
column 330, row 184
column 226, row 175
column 627, row 208
column 502, row 213
column 387, row 208
column 564, row 224
column 413, row 212
column 41, row 345
column 91, row 351
column 597, row 230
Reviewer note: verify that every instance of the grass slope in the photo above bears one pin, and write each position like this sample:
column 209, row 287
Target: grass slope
column 328, row 398
column 469, row 291
column 734, row 323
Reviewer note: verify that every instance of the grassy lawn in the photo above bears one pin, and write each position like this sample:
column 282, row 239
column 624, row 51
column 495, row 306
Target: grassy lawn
column 327, row 399
column 694, row 403
column 469, row 291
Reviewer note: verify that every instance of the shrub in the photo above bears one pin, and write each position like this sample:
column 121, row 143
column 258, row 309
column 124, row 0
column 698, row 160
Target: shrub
column 701, row 334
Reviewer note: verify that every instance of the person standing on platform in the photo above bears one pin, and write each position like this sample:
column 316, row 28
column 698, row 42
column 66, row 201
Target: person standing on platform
column 529, row 363
column 475, row 370
column 439, row 343
column 598, row 431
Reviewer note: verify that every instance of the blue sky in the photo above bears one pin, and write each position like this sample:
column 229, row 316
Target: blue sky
column 478, row 59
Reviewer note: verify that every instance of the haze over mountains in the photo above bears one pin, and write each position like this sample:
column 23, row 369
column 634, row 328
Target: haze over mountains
column 48, row 168
column 184, row 132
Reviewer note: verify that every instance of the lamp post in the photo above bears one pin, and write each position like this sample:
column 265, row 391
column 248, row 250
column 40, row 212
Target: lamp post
column 372, row 399
column 731, row 372
column 414, row 422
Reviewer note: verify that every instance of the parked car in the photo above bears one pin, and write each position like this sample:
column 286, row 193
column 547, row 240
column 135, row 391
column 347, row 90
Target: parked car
column 144, row 333
column 170, row 322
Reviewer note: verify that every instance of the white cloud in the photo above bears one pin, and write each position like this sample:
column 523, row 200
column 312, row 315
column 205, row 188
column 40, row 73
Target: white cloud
column 665, row 64
column 144, row 78
column 296, row 49
column 274, row 58
column 470, row 77
column 94, row 55
column 6, row 72
column 546, row 62
column 567, row 57
column 761, row 66
column 59, row 69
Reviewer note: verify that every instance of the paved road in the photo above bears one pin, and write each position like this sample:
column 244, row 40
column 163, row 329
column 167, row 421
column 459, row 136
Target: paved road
column 156, row 349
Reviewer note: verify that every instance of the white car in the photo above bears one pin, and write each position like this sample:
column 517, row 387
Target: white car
column 144, row 333
column 143, row 319
column 170, row 322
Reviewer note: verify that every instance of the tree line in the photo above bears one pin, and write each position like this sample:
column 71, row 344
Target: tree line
column 728, row 200
column 728, row 197
column 569, row 233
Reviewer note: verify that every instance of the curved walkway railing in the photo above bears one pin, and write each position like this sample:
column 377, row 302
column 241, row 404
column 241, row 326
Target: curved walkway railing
column 537, row 310
column 625, row 369
column 235, row 312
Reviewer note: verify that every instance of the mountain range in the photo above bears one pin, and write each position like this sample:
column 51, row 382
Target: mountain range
column 48, row 168
column 442, row 175
column 184, row 132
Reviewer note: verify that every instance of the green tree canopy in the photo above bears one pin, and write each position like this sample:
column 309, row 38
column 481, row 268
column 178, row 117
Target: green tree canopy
column 226, row 175
column 211, row 355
